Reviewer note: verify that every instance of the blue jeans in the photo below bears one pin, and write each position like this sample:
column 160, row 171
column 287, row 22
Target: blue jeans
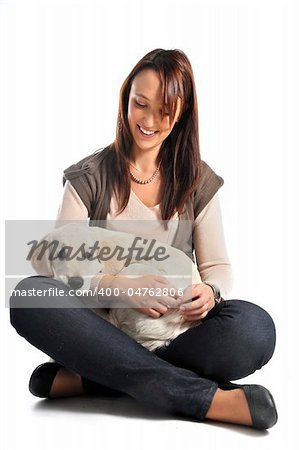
column 235, row 339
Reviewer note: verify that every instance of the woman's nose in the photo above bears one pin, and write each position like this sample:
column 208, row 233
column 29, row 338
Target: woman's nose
column 151, row 120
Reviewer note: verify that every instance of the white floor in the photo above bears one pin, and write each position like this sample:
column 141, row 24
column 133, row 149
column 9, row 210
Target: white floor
column 86, row 422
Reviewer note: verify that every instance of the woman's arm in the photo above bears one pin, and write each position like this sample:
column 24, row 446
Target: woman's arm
column 71, row 206
column 210, row 248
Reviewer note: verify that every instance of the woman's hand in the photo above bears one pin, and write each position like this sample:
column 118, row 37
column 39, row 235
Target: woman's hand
column 148, row 294
column 203, row 301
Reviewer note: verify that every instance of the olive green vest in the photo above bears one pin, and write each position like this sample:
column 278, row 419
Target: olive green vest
column 89, row 177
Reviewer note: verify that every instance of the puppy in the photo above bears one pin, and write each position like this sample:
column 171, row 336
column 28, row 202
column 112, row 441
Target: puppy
column 76, row 272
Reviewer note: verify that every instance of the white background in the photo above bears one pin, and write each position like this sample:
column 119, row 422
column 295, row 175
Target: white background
column 62, row 65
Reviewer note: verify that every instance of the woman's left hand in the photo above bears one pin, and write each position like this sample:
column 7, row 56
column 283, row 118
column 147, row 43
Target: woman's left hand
column 203, row 301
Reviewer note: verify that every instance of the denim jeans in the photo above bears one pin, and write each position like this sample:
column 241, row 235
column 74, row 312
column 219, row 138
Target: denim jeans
column 235, row 339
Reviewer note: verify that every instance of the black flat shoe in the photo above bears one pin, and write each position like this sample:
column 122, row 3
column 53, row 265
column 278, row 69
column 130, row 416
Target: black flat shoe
column 42, row 378
column 261, row 406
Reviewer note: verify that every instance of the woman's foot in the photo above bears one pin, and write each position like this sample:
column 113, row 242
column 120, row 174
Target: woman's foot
column 51, row 379
column 65, row 384
column 251, row 405
column 230, row 406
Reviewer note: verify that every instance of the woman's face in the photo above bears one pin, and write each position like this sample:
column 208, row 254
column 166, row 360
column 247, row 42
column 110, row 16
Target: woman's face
column 145, row 112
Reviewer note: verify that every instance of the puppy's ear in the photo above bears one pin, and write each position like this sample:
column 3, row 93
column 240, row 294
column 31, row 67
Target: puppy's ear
column 41, row 264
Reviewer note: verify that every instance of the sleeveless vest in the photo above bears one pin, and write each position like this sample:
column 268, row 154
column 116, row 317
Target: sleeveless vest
column 89, row 178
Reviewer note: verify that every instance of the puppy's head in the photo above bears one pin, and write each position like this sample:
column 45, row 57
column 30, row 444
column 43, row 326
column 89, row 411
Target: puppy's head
column 68, row 253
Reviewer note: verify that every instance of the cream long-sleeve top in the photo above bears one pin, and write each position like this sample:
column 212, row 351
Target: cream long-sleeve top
column 207, row 232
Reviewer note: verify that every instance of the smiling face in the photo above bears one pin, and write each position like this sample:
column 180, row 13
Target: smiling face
column 147, row 125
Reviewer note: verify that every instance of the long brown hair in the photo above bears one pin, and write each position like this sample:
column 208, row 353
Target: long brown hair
column 179, row 153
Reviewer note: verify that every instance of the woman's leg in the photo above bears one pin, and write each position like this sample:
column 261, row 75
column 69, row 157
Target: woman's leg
column 231, row 343
column 88, row 345
column 235, row 339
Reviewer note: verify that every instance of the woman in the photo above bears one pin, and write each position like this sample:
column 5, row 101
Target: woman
column 153, row 170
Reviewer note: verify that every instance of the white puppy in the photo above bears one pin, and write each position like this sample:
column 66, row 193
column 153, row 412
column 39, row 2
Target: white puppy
column 75, row 253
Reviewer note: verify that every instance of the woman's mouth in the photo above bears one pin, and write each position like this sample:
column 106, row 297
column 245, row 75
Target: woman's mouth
column 146, row 133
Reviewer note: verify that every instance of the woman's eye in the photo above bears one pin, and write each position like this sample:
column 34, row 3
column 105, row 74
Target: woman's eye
column 144, row 106
column 139, row 104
